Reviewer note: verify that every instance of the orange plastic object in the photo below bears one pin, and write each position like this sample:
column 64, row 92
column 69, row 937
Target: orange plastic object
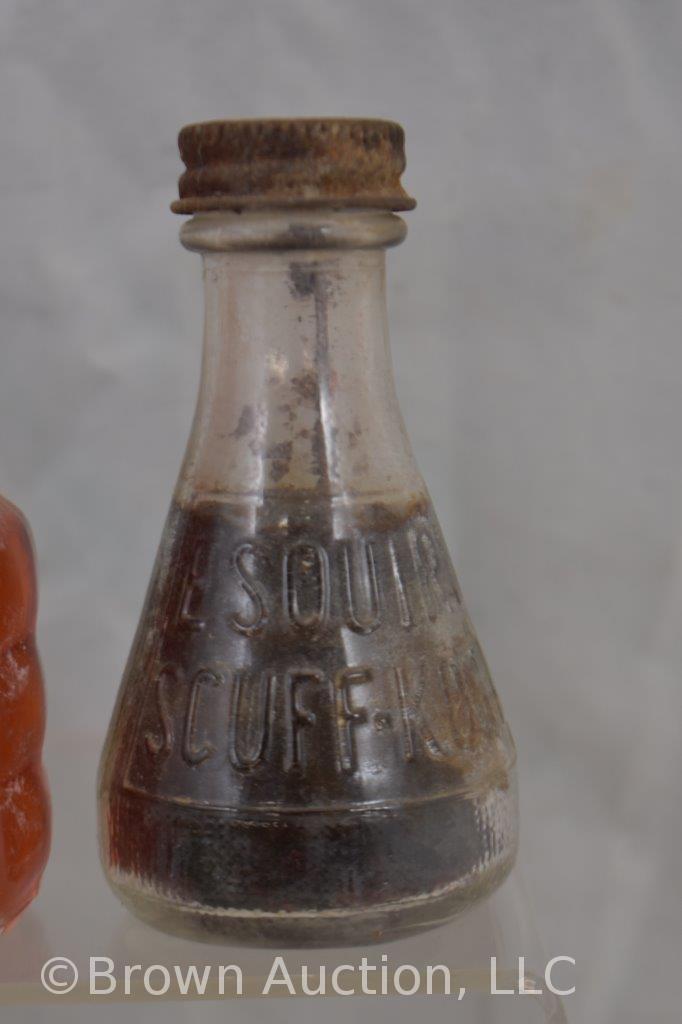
column 24, row 801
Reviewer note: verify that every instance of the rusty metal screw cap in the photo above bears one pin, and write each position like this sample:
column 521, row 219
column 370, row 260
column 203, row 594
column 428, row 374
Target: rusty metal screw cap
column 311, row 162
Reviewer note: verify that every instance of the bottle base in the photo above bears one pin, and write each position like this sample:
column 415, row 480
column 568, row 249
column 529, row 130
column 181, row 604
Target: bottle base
column 311, row 928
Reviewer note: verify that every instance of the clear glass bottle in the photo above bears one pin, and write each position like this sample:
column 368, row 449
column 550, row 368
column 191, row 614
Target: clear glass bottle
column 307, row 747
column 24, row 803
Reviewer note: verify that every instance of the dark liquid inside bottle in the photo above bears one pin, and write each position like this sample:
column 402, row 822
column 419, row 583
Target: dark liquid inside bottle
column 309, row 747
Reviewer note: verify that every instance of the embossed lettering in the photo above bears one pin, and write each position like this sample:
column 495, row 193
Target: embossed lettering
column 414, row 724
column 249, row 719
column 476, row 715
column 193, row 592
column 299, row 717
column 368, row 576
column 401, row 594
column 426, row 566
column 193, row 751
column 306, row 584
column 460, row 700
column 162, row 744
column 347, row 715
column 301, row 655
column 475, row 677
column 253, row 590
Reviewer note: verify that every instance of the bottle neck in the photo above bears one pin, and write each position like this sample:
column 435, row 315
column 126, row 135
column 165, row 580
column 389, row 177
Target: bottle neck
column 297, row 392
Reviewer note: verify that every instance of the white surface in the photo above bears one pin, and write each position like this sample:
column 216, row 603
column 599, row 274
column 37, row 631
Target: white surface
column 536, row 311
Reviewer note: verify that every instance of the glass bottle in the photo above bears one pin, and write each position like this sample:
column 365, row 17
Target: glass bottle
column 307, row 747
column 24, row 804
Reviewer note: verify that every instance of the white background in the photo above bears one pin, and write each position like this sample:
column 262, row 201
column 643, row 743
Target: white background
column 536, row 311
